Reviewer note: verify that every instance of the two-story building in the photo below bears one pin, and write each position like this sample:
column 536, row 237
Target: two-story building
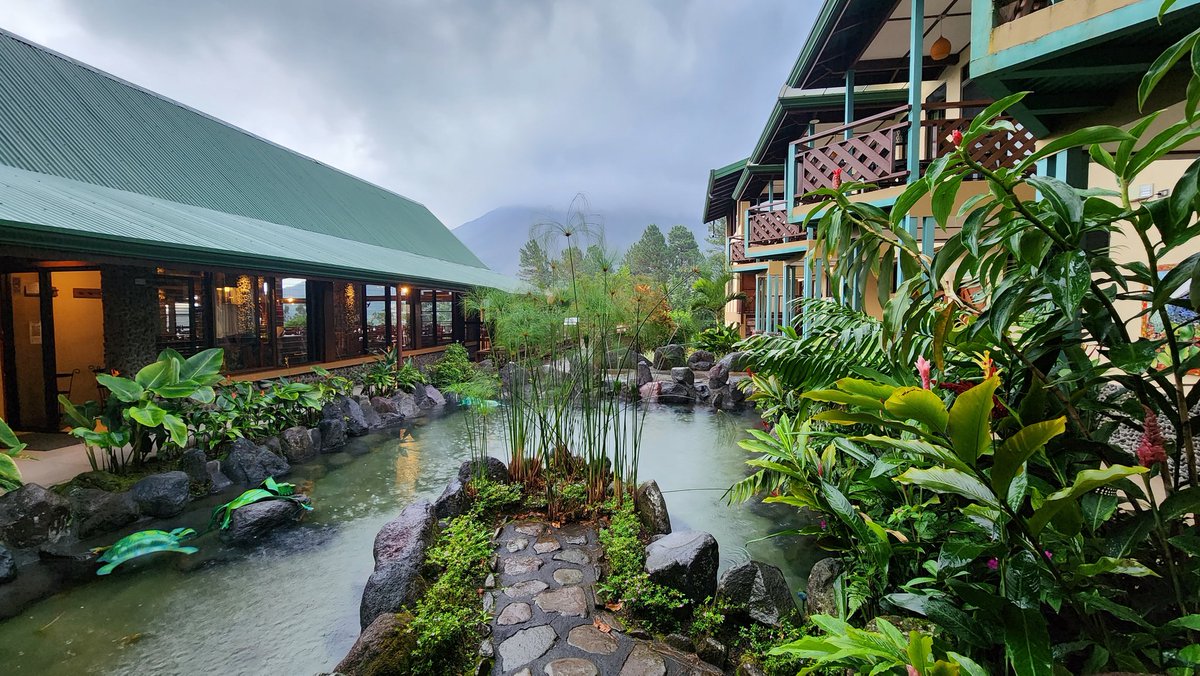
column 877, row 91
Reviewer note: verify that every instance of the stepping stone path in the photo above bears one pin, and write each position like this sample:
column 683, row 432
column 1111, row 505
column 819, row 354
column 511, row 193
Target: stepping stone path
column 544, row 615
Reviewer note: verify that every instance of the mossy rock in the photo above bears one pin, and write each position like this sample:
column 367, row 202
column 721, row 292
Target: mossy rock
column 101, row 480
column 385, row 647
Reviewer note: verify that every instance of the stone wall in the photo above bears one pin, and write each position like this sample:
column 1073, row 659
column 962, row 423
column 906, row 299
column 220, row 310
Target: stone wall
column 130, row 318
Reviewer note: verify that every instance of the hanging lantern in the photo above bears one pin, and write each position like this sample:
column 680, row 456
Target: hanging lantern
column 940, row 49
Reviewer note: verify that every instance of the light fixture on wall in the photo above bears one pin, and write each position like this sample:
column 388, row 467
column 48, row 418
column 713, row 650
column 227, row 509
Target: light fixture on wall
column 940, row 49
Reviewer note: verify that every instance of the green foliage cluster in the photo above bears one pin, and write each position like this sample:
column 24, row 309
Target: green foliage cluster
column 386, row 376
column 453, row 367
column 626, row 581
column 758, row 642
column 719, row 339
column 10, row 447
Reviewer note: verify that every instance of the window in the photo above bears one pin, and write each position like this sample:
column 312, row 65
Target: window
column 379, row 310
column 241, row 320
column 181, row 313
column 292, row 320
column 445, row 317
column 348, row 320
column 437, row 317
column 402, row 309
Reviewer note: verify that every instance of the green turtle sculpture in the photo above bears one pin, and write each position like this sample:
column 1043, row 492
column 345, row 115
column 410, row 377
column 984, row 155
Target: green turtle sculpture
column 143, row 543
column 271, row 490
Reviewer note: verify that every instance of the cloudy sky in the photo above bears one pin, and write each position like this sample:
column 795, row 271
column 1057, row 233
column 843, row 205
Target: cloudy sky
column 464, row 105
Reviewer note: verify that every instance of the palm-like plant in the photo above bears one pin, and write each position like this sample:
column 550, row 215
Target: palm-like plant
column 710, row 295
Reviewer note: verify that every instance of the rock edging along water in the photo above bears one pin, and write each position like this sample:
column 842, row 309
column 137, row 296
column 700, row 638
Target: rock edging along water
column 700, row 379
column 540, row 598
column 39, row 527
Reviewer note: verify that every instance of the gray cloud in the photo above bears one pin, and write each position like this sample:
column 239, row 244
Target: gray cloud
column 464, row 106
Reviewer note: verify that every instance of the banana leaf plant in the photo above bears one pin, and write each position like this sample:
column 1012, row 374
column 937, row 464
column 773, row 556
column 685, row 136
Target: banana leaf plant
column 270, row 490
column 10, row 447
column 144, row 413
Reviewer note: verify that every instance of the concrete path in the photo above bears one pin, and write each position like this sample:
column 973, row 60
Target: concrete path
column 47, row 468
column 544, row 616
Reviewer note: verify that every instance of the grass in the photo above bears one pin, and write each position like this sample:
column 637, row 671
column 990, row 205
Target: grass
column 660, row 608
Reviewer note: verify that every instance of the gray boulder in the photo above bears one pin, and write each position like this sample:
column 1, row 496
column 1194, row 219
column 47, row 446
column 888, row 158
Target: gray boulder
column 682, row 375
column 494, row 469
column 728, row 398
column 400, row 548
column 315, row 434
column 218, row 480
column 194, row 463
column 718, row 375
column 250, row 464
column 622, row 358
column 98, row 511
column 273, row 445
column 759, row 591
column 374, row 646
column 32, row 515
column 454, row 499
column 701, row 360
column 821, row 599
column 652, row 508
column 297, row 445
column 712, row 651
column 734, row 361
column 513, row 375
column 356, row 419
column 8, row 566
column 252, row 521
column 674, row 393
column 370, row 415
column 384, row 405
column 333, row 434
column 669, row 356
column 643, row 374
column 686, row 561
column 434, row 396
column 406, row 405
column 162, row 495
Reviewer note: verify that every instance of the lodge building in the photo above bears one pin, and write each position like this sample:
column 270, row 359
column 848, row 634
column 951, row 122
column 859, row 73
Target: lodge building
column 130, row 223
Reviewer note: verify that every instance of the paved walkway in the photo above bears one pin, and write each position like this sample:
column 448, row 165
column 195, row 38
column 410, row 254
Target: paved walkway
column 47, row 468
column 545, row 620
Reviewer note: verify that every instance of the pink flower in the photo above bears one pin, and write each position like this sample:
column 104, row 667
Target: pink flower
column 923, row 368
column 1049, row 554
column 912, row 671
column 956, row 138
column 837, row 178
column 822, row 524
column 993, row 563
column 1150, row 451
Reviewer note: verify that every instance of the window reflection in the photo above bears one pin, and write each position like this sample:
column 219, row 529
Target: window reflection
column 292, row 320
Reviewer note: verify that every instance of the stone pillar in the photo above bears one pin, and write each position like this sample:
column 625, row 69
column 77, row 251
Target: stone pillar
column 130, row 317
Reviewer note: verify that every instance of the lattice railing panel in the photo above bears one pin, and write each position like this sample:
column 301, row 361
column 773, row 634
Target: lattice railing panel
column 771, row 226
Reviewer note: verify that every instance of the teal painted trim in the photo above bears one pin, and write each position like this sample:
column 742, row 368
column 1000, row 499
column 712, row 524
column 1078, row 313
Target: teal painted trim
column 983, row 16
column 746, row 231
column 799, row 248
column 750, row 267
column 928, row 227
column 789, row 176
column 824, row 23
column 1106, row 25
column 916, row 64
column 849, row 113
column 728, row 252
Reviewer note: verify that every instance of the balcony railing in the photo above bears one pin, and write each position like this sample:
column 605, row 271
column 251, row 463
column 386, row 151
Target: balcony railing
column 1011, row 10
column 769, row 224
column 875, row 152
column 737, row 250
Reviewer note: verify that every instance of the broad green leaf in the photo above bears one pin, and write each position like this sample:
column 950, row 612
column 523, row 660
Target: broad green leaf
column 839, row 397
column 203, row 367
column 957, row 552
column 176, row 428
column 1180, row 503
column 159, row 374
column 10, row 474
column 934, row 452
column 995, row 109
column 1080, row 138
column 124, row 389
column 942, row 202
column 1191, row 654
column 1186, row 622
column 1017, row 449
column 1107, row 564
column 1097, row 508
column 1135, row 357
column 8, row 438
column 1023, row 581
column 1062, row 198
column 1067, row 278
column 1085, row 481
column 944, row 480
column 1027, row 642
column 862, row 418
column 914, row 403
column 150, row 415
column 1163, row 64
column 866, row 388
column 1092, row 601
column 970, row 426
column 958, row 623
column 966, row 665
column 1187, row 543
column 205, row 395
column 873, row 538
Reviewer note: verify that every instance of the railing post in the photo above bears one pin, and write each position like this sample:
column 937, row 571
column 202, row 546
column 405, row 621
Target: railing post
column 849, row 115
column 745, row 232
column 789, row 180
column 916, row 48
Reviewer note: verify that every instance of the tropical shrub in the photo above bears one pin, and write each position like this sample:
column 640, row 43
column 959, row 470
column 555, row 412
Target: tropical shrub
column 454, row 366
column 710, row 295
column 719, row 339
column 887, row 651
column 409, row 376
column 381, row 378
column 10, row 447
column 145, row 412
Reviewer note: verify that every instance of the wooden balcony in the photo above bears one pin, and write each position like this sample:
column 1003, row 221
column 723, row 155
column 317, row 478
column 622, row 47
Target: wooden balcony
column 737, row 250
column 875, row 151
column 1011, row 10
column 769, row 224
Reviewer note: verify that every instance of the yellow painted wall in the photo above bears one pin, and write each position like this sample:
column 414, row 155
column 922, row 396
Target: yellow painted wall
column 78, row 332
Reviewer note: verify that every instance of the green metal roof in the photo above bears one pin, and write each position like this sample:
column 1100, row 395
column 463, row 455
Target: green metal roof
column 67, row 119
column 39, row 210
column 720, row 189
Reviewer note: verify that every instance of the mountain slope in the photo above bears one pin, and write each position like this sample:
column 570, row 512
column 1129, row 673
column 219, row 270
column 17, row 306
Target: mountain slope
column 497, row 236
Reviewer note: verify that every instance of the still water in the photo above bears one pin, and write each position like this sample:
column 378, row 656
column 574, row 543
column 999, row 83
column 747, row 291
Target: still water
column 290, row 605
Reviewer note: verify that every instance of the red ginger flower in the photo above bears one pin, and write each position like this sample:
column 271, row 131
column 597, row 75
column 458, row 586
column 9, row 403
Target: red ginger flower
column 956, row 138
column 837, row 178
column 1150, row 451
column 924, row 367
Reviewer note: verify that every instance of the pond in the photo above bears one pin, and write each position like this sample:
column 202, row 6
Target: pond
column 290, row 605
